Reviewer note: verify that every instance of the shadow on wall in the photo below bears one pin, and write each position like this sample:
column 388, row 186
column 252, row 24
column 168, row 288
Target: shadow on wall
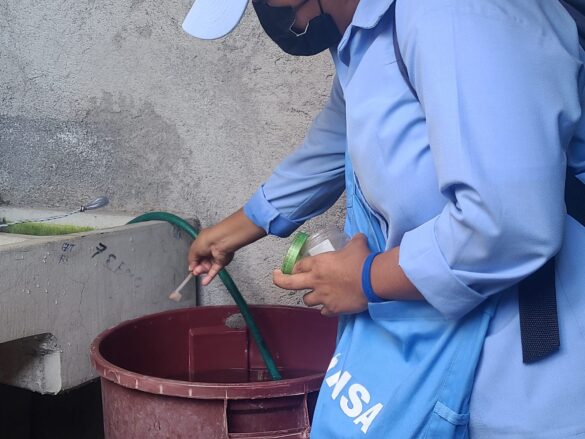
column 76, row 414
column 117, row 147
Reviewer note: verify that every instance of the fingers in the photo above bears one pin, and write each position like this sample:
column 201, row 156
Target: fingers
column 195, row 252
column 211, row 273
column 300, row 281
column 196, row 259
column 202, row 267
column 311, row 299
column 325, row 312
column 207, row 258
column 302, row 266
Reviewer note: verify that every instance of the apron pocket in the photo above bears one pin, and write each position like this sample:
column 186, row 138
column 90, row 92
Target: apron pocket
column 447, row 423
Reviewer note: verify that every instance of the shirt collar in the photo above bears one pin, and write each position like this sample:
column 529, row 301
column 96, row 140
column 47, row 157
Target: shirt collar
column 369, row 12
column 367, row 15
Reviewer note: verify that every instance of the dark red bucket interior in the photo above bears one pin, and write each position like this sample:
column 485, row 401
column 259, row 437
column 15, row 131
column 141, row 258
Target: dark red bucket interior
column 197, row 373
column 212, row 345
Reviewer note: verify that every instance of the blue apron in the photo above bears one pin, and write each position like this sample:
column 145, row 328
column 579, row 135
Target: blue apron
column 400, row 369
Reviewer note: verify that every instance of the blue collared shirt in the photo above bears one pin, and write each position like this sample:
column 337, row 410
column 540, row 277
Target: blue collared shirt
column 469, row 181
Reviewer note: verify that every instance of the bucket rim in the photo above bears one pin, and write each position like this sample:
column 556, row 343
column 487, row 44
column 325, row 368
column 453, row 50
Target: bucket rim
column 200, row 390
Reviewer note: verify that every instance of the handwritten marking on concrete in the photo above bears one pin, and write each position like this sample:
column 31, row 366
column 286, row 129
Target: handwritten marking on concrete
column 122, row 268
column 67, row 247
column 99, row 249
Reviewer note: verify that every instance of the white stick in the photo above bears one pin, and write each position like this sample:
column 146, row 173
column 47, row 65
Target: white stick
column 176, row 295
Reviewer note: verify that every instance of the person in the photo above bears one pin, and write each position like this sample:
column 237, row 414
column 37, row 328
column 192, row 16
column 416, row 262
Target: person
column 453, row 197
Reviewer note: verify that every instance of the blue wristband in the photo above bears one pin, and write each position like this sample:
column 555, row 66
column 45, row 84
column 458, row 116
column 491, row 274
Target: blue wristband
column 367, row 280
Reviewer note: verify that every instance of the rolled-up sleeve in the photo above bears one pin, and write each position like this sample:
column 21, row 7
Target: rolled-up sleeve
column 500, row 99
column 309, row 180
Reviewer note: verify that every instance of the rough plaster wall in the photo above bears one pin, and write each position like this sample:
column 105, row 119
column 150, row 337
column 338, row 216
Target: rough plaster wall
column 113, row 97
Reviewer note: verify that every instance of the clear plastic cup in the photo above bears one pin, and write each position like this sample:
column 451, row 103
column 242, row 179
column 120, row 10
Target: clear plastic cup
column 325, row 240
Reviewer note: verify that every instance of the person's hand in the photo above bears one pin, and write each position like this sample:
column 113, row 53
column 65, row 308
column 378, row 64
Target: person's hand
column 208, row 254
column 215, row 246
column 333, row 277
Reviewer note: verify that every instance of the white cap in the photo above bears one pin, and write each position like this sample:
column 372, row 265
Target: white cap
column 211, row 19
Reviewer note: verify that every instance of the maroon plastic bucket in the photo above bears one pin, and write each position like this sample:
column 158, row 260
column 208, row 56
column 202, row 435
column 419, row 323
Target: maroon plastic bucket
column 197, row 373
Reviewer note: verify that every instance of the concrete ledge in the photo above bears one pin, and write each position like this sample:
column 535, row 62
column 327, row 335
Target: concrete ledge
column 99, row 219
column 12, row 238
column 32, row 363
column 74, row 286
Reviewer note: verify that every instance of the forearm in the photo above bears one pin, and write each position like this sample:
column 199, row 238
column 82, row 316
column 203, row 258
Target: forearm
column 310, row 179
column 237, row 231
column 388, row 279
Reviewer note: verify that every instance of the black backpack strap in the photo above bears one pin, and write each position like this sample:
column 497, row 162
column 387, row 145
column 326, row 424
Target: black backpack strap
column 537, row 306
column 539, row 327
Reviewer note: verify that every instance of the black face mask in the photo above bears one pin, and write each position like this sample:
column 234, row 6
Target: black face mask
column 320, row 34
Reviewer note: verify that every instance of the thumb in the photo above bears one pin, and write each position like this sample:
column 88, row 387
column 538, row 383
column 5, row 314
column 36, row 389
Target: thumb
column 359, row 240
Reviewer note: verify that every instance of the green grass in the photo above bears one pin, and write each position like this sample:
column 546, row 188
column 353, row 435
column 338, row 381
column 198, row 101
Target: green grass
column 41, row 229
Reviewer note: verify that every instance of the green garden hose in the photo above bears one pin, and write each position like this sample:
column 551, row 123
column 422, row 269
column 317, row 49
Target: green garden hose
column 227, row 281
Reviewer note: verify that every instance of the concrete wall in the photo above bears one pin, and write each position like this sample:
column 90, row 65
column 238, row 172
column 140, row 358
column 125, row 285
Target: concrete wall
column 58, row 293
column 112, row 97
